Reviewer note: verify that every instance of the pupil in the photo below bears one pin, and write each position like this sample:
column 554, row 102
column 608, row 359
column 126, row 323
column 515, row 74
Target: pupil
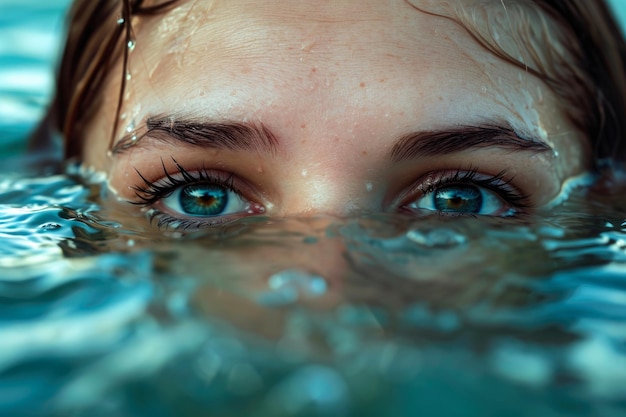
column 203, row 199
column 459, row 199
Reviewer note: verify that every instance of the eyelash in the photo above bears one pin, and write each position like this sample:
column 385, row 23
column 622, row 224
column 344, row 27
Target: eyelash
column 496, row 183
column 154, row 191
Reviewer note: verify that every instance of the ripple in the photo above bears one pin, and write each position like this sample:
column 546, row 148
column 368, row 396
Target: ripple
column 289, row 286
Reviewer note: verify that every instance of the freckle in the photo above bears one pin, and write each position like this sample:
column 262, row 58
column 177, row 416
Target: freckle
column 362, row 85
column 303, row 126
column 303, row 141
column 364, row 153
column 382, row 80
column 440, row 98
column 313, row 69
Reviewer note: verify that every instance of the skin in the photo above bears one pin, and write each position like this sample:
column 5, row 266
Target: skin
column 337, row 83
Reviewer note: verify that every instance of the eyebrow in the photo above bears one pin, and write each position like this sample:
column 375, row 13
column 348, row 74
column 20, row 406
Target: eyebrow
column 233, row 136
column 442, row 142
column 237, row 136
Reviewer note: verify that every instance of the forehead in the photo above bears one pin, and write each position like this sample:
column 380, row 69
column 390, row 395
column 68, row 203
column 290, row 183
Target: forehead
column 252, row 58
column 372, row 38
column 309, row 25
column 259, row 31
column 224, row 23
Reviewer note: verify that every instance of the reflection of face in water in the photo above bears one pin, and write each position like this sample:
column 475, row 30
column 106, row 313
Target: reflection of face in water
column 241, row 109
column 258, row 275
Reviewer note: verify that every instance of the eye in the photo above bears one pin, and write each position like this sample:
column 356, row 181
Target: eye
column 465, row 193
column 463, row 199
column 205, row 200
column 194, row 200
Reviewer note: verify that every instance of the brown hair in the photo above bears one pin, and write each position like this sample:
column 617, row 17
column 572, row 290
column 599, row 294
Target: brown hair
column 589, row 75
column 99, row 32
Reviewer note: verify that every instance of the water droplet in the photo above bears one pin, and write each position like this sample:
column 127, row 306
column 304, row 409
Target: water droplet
column 131, row 44
column 50, row 226
column 368, row 187
column 304, row 173
column 288, row 286
column 120, row 21
column 130, row 127
column 128, row 76
column 440, row 238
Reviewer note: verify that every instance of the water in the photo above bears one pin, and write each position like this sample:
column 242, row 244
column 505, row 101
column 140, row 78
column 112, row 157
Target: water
column 101, row 315
column 463, row 317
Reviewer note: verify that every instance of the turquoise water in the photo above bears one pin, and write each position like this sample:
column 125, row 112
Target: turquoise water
column 30, row 33
column 100, row 315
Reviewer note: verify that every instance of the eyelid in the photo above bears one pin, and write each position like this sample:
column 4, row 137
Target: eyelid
column 152, row 194
column 498, row 183
column 154, row 185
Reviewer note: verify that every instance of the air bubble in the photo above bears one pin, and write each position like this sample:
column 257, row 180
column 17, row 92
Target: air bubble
column 437, row 238
column 288, row 286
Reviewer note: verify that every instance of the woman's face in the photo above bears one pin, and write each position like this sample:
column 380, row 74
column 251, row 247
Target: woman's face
column 299, row 108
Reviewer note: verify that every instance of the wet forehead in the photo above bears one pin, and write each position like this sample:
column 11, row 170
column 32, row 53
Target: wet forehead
column 340, row 30
column 375, row 37
column 280, row 52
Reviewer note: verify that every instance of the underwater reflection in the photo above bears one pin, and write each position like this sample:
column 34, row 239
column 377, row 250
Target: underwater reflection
column 256, row 275
column 308, row 316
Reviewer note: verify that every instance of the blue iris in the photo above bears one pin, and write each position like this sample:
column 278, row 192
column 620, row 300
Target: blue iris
column 203, row 199
column 458, row 199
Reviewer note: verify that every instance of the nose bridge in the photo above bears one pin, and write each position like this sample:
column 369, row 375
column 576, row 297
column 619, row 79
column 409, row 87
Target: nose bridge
column 331, row 162
column 337, row 191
